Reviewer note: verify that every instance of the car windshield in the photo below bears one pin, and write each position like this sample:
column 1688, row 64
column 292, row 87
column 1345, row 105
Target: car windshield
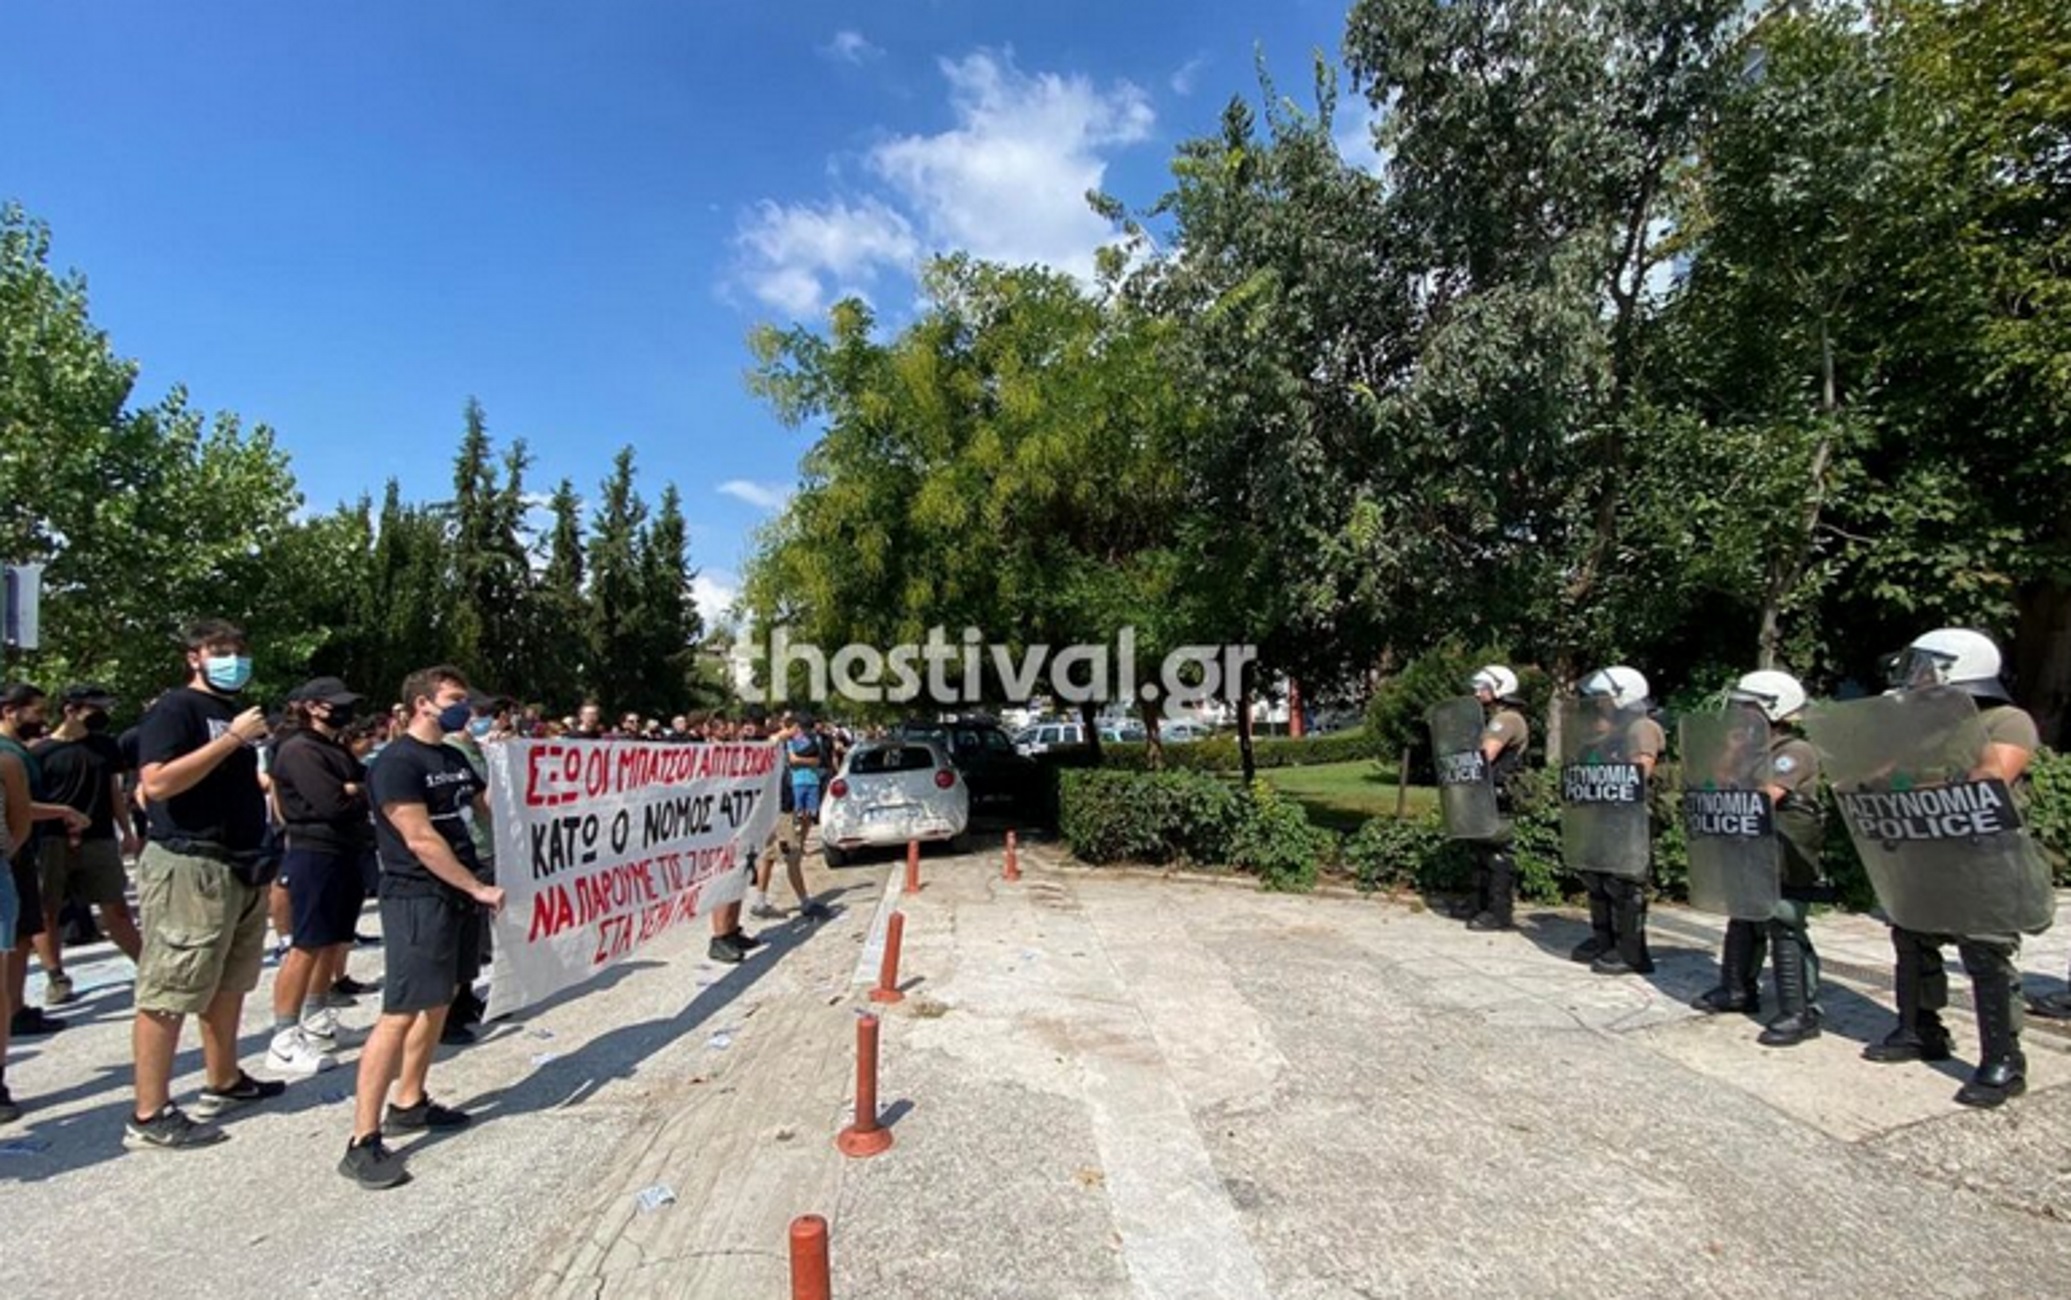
column 891, row 758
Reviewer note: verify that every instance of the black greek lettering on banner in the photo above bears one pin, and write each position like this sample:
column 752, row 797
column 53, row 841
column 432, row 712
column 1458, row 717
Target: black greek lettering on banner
column 1602, row 783
column 1728, row 814
column 1967, row 810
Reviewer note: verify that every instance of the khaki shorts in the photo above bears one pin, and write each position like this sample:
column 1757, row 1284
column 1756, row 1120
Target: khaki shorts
column 88, row 872
column 204, row 932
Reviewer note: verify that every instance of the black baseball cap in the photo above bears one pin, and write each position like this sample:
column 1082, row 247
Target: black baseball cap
column 16, row 694
column 87, row 695
column 325, row 690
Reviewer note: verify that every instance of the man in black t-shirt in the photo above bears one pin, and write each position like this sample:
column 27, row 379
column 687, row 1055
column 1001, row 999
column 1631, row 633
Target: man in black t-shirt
column 202, row 886
column 423, row 791
column 82, row 769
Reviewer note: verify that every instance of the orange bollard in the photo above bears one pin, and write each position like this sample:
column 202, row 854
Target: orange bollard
column 865, row 1137
column 887, row 989
column 809, row 1259
column 913, row 885
column 1013, row 859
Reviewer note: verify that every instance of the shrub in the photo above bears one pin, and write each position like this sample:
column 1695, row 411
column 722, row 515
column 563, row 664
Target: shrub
column 1276, row 841
column 1159, row 817
column 1395, row 715
column 2049, row 810
column 1219, row 753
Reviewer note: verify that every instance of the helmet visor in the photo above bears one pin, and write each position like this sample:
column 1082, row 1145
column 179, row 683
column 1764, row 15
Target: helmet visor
column 1913, row 668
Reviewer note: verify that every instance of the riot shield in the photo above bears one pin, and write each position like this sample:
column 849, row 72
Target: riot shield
column 1943, row 844
column 1735, row 860
column 1466, row 788
column 1603, row 792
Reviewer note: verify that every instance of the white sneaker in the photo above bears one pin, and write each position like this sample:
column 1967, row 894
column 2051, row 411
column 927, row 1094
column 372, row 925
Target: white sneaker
column 294, row 1053
column 765, row 912
column 322, row 1026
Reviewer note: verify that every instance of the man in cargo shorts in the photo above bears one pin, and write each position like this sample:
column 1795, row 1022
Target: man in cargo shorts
column 82, row 769
column 201, row 883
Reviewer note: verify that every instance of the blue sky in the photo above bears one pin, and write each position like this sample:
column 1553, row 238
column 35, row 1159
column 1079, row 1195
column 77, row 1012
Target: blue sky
column 342, row 220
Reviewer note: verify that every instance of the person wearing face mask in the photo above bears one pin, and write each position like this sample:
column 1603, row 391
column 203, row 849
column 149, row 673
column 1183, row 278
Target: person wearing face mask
column 429, row 886
column 22, row 722
column 82, row 769
column 320, row 789
column 202, row 883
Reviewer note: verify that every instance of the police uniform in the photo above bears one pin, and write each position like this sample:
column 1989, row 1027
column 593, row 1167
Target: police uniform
column 1922, row 981
column 1800, row 831
column 1618, row 906
column 1495, row 869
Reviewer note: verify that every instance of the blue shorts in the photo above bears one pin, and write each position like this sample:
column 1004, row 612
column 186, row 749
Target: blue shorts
column 805, row 799
column 10, row 909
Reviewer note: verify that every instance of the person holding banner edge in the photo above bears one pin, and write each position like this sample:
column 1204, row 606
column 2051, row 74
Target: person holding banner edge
column 428, row 886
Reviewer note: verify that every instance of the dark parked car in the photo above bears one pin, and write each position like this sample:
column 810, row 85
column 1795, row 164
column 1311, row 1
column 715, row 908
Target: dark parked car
column 1003, row 782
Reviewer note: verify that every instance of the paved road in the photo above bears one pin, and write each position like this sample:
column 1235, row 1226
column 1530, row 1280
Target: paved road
column 1102, row 1086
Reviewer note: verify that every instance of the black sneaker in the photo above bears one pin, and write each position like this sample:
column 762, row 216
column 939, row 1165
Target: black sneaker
column 247, row 1091
column 169, row 1130
column 30, row 1022
column 746, row 941
column 372, row 1165
column 814, row 911
column 725, row 948
column 426, row 1115
column 352, row 988
column 456, row 1034
column 9, row 1112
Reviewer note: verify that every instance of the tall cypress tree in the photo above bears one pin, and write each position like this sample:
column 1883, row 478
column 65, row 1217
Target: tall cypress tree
column 669, row 623
column 563, row 665
column 616, row 615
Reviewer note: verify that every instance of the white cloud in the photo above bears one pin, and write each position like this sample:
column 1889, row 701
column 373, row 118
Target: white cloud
column 763, row 496
column 799, row 257
column 851, row 47
column 715, row 591
column 1355, row 124
column 1184, row 80
column 1008, row 183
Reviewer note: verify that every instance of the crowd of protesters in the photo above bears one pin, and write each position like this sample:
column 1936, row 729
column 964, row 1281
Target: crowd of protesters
column 237, row 822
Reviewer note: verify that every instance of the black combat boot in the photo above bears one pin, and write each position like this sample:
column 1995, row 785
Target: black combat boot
column 1629, row 956
column 1476, row 903
column 1921, row 994
column 2002, row 1070
column 1798, row 1015
column 1498, row 912
column 1740, row 973
column 1601, row 939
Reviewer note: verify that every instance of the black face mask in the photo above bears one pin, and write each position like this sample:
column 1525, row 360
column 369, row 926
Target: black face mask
column 95, row 723
column 339, row 717
column 28, row 730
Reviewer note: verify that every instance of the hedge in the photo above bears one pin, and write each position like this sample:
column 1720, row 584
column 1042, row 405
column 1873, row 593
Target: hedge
column 1219, row 753
column 1112, row 815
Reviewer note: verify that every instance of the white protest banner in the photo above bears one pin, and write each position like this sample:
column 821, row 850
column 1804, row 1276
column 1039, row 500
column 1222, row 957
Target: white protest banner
column 602, row 845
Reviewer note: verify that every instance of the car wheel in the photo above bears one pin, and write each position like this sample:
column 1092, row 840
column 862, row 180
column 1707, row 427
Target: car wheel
column 835, row 858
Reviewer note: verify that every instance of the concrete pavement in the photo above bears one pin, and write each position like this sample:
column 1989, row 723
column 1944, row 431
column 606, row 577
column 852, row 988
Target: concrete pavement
column 1104, row 1085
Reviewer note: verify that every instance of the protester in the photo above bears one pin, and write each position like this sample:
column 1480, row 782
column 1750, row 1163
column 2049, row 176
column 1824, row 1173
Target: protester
column 588, row 724
column 14, row 831
column 22, row 708
column 729, row 943
column 320, row 790
column 428, row 885
column 202, row 884
column 467, row 1009
column 806, row 750
column 82, row 769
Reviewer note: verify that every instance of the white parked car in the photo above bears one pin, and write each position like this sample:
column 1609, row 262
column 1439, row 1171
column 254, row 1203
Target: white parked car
column 1045, row 736
column 891, row 791
column 1182, row 732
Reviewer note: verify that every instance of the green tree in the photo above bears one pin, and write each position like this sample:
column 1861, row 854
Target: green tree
column 615, row 653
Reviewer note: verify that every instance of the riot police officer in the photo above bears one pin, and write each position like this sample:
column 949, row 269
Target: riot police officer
column 1788, row 777
column 1937, row 775
column 1479, row 748
column 1609, row 746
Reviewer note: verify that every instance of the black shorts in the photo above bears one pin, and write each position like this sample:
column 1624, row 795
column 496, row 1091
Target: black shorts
column 28, row 885
column 420, row 950
column 324, row 896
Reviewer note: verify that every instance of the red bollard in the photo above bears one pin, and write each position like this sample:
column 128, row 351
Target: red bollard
column 913, row 885
column 865, row 1137
column 1013, row 859
column 887, row 989
column 809, row 1259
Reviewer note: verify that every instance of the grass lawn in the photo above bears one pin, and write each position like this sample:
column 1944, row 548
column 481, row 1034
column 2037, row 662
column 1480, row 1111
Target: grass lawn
column 1343, row 795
